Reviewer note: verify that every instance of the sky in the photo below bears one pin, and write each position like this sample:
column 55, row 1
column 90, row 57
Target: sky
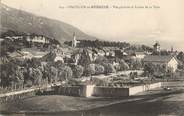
column 165, row 23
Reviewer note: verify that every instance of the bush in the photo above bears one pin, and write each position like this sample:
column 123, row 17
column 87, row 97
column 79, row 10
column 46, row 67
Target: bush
column 149, row 69
column 99, row 69
column 117, row 67
column 109, row 68
column 53, row 75
column 77, row 71
column 135, row 64
column 36, row 76
column 99, row 82
column 84, row 58
column 73, row 82
column 133, row 75
column 65, row 73
column 28, row 83
column 101, row 59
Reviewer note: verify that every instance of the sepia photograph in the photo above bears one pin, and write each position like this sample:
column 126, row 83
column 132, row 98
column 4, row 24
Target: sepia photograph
column 91, row 58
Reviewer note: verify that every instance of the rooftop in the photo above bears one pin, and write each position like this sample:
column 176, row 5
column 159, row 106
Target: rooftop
column 157, row 58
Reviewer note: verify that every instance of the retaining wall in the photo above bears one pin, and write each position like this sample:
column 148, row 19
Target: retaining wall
column 81, row 90
column 16, row 95
column 110, row 92
column 173, row 84
column 142, row 88
column 91, row 90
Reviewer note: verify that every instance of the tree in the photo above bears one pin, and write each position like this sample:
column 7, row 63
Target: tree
column 123, row 65
column 7, row 74
column 101, row 60
column 19, row 75
column 117, row 67
column 99, row 69
column 65, row 73
column 133, row 75
column 180, row 57
column 84, row 59
column 149, row 69
column 77, row 71
column 89, row 70
column 53, row 76
column 164, row 53
column 109, row 68
column 36, row 76
column 135, row 64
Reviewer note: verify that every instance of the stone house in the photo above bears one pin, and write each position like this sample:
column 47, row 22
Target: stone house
column 168, row 62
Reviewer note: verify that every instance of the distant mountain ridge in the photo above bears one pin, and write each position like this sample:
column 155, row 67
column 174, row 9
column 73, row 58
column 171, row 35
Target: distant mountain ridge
column 21, row 21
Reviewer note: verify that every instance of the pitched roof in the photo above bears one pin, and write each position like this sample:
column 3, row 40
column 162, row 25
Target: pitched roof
column 157, row 58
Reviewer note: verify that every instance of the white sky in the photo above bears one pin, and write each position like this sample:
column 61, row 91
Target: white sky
column 165, row 24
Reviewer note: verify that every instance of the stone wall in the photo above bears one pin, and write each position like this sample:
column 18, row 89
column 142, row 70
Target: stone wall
column 81, row 90
column 14, row 97
column 110, row 92
column 91, row 90
column 142, row 88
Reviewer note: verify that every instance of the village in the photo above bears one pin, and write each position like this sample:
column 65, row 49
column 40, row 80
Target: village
column 51, row 62
column 34, row 66
column 91, row 58
column 37, row 65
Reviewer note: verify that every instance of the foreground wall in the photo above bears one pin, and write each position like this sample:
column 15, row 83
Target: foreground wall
column 91, row 90
column 15, row 97
column 81, row 90
column 110, row 92
column 142, row 88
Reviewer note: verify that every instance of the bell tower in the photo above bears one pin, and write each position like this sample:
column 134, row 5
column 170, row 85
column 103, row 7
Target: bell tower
column 74, row 41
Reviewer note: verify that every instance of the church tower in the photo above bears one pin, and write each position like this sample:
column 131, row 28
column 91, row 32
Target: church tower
column 74, row 41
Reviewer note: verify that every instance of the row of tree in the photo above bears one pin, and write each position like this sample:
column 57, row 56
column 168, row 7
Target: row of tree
column 99, row 43
column 34, row 72
column 160, row 71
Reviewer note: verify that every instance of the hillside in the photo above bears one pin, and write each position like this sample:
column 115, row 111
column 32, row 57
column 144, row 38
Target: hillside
column 21, row 21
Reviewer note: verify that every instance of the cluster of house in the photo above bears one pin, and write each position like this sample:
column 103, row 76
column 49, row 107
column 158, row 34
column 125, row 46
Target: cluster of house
column 31, row 39
column 26, row 40
column 167, row 61
column 72, row 56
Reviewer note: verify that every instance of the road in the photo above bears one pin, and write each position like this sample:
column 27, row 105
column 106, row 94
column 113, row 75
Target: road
column 27, row 90
column 167, row 104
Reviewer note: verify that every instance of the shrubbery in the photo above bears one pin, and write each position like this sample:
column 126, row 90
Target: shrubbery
column 65, row 73
column 109, row 68
column 123, row 65
column 99, row 69
column 77, row 71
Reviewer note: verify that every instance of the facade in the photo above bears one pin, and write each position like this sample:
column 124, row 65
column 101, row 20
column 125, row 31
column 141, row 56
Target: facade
column 30, row 38
column 37, row 39
column 14, row 38
column 138, row 55
column 169, row 62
